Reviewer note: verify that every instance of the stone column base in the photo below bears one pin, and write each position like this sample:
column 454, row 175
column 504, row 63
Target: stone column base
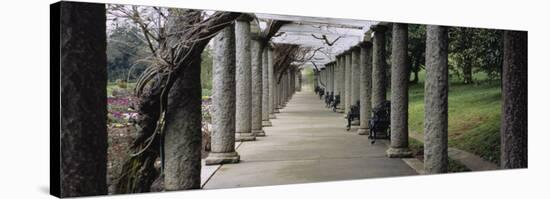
column 244, row 137
column 276, row 110
column 363, row 131
column 222, row 158
column 355, row 123
column 266, row 123
column 272, row 116
column 399, row 152
column 258, row 133
column 339, row 110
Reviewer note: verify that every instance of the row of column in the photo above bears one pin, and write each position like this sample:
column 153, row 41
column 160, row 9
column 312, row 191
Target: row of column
column 246, row 91
column 358, row 75
column 88, row 135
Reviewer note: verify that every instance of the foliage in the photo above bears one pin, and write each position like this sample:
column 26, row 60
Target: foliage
column 124, row 49
column 206, row 70
column 417, row 49
column 475, row 50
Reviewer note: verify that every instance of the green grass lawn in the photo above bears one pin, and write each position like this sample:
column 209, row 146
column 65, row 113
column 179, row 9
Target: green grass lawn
column 474, row 116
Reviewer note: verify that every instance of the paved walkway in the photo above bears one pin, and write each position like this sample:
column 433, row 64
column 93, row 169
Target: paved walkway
column 307, row 143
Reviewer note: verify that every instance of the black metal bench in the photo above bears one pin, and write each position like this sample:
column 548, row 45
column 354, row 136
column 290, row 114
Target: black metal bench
column 379, row 123
column 328, row 99
column 335, row 102
column 353, row 114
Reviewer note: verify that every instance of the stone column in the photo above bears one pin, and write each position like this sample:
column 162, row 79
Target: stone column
column 287, row 86
column 513, row 131
column 378, row 66
column 182, row 122
column 399, row 146
column 265, row 91
column 341, row 82
column 283, row 92
column 280, row 93
column 223, row 99
column 331, row 79
column 290, row 84
column 365, row 86
column 435, row 100
column 277, row 85
column 327, row 75
column 355, row 75
column 336, row 78
column 276, row 94
column 244, row 80
column 82, row 62
column 294, row 77
column 257, row 86
column 347, row 63
column 333, row 76
column 271, row 83
column 291, row 87
column 299, row 80
column 350, row 79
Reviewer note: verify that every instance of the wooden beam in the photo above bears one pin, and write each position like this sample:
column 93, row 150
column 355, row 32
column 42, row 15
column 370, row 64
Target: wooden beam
column 320, row 29
column 351, row 23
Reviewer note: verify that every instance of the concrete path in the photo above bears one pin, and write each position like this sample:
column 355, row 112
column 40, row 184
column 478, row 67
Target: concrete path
column 307, row 143
column 473, row 162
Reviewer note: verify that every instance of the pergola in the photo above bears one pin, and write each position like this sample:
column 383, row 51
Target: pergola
column 245, row 95
column 327, row 37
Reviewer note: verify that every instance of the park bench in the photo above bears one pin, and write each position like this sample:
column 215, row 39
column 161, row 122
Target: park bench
column 328, row 99
column 335, row 102
column 353, row 114
column 379, row 123
column 316, row 90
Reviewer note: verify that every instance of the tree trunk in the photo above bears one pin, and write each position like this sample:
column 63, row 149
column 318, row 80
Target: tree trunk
column 467, row 70
column 83, row 63
column 138, row 172
column 513, row 132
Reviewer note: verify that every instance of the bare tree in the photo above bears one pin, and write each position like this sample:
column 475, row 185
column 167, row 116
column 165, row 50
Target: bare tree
column 176, row 38
column 287, row 56
column 325, row 39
